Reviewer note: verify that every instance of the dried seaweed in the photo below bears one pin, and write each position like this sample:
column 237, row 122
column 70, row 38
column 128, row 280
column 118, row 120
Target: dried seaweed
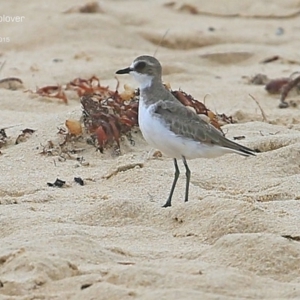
column 276, row 86
column 51, row 91
column 89, row 86
column 79, row 85
column 279, row 86
column 284, row 86
column 26, row 133
column 109, row 118
column 294, row 83
column 108, row 115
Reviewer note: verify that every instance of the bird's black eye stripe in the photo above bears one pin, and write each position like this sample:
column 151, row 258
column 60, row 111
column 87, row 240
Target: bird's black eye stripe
column 140, row 65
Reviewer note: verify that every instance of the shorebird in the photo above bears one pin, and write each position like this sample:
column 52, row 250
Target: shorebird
column 171, row 127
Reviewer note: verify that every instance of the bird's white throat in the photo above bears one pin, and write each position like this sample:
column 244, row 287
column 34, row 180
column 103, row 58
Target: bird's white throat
column 144, row 80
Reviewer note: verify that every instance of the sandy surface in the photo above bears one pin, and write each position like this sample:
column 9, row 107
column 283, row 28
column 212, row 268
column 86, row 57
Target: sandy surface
column 112, row 234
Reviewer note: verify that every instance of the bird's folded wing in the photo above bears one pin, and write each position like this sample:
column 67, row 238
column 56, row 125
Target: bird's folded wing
column 186, row 123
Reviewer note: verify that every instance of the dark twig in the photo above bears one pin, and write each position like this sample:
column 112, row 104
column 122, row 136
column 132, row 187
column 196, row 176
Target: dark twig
column 260, row 108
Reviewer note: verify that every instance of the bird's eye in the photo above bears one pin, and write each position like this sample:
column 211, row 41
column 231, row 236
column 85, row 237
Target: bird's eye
column 140, row 66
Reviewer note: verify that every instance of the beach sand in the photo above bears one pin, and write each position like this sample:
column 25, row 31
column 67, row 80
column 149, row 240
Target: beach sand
column 110, row 239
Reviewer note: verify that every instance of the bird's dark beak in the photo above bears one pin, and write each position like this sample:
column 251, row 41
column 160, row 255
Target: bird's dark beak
column 124, row 71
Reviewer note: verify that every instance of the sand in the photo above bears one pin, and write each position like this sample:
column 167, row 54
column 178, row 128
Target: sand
column 110, row 239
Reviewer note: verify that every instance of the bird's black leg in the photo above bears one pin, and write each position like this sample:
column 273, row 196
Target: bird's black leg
column 176, row 175
column 188, row 177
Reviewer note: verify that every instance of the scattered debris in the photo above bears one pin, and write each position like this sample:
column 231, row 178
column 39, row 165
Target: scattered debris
column 240, row 137
column 82, row 162
column 169, row 4
column 270, row 59
column 269, row 133
column 293, row 238
column 64, row 149
column 26, row 133
column 2, row 64
column 259, row 79
column 284, row 86
column 157, row 154
column 123, row 169
column 51, row 91
column 279, row 59
column 74, row 127
column 48, row 148
column 279, row 31
column 90, row 7
column 125, row 263
column 85, row 286
column 293, row 83
column 79, row 180
column 189, row 9
column 58, row 183
column 3, row 137
column 82, row 55
column 275, row 86
column 57, row 60
column 11, row 83
column 281, row 86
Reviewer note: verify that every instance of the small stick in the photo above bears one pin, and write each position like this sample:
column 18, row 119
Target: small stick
column 205, row 96
column 160, row 42
column 260, row 108
column 11, row 126
column 1, row 67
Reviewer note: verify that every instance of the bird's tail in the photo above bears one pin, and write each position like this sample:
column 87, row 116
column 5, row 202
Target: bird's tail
column 239, row 149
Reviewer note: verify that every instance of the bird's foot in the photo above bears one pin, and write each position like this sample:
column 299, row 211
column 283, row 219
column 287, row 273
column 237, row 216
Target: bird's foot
column 167, row 204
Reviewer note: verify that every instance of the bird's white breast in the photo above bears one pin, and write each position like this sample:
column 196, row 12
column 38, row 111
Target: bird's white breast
column 160, row 137
column 144, row 80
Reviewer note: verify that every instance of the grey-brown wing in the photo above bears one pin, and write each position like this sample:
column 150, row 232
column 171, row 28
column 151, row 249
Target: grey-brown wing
column 186, row 123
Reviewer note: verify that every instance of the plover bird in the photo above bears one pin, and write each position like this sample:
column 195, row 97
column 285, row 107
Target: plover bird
column 172, row 128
